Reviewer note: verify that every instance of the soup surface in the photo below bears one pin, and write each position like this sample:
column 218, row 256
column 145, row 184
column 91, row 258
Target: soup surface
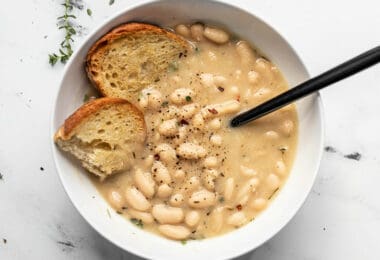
column 196, row 177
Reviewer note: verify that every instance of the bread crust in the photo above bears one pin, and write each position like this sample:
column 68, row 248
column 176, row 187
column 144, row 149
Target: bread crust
column 122, row 31
column 66, row 130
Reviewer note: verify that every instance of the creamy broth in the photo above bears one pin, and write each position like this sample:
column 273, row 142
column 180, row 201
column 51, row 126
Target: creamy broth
column 196, row 177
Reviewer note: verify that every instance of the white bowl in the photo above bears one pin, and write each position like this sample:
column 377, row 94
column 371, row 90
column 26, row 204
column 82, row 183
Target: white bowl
column 121, row 232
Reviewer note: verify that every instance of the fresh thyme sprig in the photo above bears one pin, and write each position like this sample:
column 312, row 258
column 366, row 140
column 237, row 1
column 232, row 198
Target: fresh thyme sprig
column 64, row 22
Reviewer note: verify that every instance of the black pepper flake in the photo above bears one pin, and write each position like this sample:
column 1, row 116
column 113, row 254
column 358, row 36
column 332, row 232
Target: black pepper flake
column 221, row 89
column 1, row 176
column 5, row 240
column 180, row 55
column 134, row 155
column 239, row 207
column 42, row 168
column 184, row 122
column 157, row 157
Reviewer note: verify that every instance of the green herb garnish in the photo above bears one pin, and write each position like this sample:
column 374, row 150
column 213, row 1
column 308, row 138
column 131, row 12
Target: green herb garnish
column 165, row 104
column 188, row 98
column 86, row 98
column 137, row 222
column 221, row 199
column 64, row 22
column 89, row 12
column 274, row 192
column 183, row 242
column 173, row 66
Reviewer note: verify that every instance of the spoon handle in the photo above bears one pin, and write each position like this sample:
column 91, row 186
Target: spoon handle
column 331, row 76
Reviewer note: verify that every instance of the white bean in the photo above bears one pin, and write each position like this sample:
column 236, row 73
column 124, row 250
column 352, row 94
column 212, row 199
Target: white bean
column 191, row 151
column 143, row 101
column 192, row 218
column 248, row 187
column 211, row 162
column 182, row 30
column 216, row 219
column 174, row 232
column 227, row 107
column 176, row 200
column 246, row 53
column 216, row 35
column 207, row 79
column 181, row 135
column 253, row 77
column 272, row 181
column 209, row 176
column 170, row 112
column 179, row 175
column 115, row 199
column 148, row 161
column 229, row 188
column 187, row 111
column 198, row 121
column 197, row 31
column 166, row 152
column 154, row 98
column 168, row 127
column 143, row 216
column 243, row 200
column 216, row 140
column 247, row 172
column 191, row 184
column 215, row 124
column 202, row 199
column 160, row 173
column 182, row 96
column 164, row 191
column 166, row 214
column 136, row 199
column 237, row 219
column 259, row 203
column 145, row 183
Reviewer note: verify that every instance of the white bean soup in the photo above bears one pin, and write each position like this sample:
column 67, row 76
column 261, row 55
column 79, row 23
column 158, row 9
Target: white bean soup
column 196, row 177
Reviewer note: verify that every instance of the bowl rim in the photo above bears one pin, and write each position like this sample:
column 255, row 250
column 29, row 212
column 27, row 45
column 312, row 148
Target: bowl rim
column 97, row 28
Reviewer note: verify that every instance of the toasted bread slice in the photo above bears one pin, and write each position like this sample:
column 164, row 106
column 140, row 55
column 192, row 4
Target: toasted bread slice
column 131, row 57
column 103, row 135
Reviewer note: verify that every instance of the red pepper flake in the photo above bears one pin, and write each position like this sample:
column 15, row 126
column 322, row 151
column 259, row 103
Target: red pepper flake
column 157, row 157
column 220, row 89
column 238, row 98
column 184, row 122
column 213, row 111
column 239, row 207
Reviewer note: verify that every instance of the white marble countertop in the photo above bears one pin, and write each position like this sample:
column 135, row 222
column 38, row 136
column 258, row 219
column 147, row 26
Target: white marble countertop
column 341, row 217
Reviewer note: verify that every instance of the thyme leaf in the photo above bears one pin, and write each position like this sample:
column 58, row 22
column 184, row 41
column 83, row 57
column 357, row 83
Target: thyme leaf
column 65, row 23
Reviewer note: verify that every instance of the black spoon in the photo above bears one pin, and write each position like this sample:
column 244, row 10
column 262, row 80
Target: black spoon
column 342, row 71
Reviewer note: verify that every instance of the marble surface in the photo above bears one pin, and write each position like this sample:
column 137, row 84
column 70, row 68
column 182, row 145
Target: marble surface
column 341, row 217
